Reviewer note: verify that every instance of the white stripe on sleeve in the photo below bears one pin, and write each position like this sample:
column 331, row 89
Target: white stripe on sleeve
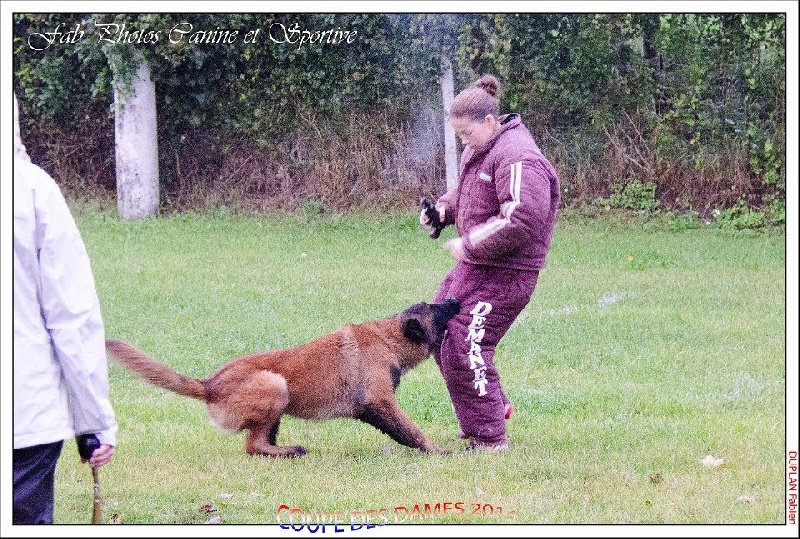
column 483, row 232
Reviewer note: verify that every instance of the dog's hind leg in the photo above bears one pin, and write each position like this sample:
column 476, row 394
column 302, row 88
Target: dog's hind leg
column 273, row 432
column 267, row 395
column 259, row 444
column 256, row 438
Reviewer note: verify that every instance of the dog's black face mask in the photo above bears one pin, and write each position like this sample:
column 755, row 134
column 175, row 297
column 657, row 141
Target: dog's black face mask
column 427, row 322
column 443, row 312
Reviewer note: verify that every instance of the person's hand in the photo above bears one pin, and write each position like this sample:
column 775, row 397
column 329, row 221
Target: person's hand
column 101, row 456
column 423, row 218
column 456, row 248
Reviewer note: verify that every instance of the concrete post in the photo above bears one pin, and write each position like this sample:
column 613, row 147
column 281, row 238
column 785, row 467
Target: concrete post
column 136, row 145
column 450, row 157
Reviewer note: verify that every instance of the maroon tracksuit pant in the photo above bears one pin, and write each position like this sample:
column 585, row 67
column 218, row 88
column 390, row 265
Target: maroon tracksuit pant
column 491, row 299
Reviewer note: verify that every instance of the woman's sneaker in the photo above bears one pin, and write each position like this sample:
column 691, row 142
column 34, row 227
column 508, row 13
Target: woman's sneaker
column 487, row 448
column 509, row 410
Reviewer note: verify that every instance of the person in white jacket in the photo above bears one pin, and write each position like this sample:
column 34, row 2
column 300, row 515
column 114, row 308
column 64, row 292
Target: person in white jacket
column 60, row 368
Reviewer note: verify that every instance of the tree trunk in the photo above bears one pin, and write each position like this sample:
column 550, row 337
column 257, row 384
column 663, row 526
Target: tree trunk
column 450, row 157
column 650, row 25
column 136, row 145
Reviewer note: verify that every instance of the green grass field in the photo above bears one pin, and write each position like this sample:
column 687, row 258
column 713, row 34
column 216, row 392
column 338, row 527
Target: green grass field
column 642, row 351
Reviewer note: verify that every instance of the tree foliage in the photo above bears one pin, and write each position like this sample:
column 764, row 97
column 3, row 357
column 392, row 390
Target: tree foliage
column 675, row 99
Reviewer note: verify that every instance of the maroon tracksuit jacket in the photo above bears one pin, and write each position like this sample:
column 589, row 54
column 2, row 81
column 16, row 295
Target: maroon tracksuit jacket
column 504, row 209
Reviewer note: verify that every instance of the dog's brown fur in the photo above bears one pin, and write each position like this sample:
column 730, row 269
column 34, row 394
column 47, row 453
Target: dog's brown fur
column 352, row 372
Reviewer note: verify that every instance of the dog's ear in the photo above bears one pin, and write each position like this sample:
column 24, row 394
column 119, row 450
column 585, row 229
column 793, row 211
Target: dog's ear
column 414, row 332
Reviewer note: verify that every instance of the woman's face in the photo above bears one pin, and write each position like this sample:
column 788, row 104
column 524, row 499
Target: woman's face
column 472, row 133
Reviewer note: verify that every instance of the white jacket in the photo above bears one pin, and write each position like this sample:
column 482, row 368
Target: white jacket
column 60, row 368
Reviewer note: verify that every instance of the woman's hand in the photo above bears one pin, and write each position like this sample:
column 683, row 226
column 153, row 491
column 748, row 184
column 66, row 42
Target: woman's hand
column 101, row 456
column 456, row 248
column 423, row 217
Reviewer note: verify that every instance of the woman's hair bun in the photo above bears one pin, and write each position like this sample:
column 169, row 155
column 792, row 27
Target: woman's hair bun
column 477, row 100
column 489, row 84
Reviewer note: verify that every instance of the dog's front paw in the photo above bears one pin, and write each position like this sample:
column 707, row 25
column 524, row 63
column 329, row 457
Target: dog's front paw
column 295, row 451
column 436, row 450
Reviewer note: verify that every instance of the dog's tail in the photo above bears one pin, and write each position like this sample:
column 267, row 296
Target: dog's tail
column 154, row 372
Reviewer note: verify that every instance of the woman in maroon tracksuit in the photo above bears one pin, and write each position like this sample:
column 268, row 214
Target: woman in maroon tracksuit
column 504, row 210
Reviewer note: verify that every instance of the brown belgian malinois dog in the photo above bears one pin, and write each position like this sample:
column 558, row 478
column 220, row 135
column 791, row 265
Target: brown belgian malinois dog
column 352, row 372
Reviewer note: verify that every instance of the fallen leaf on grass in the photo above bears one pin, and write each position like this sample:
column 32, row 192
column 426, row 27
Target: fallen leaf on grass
column 656, row 478
column 746, row 499
column 208, row 508
column 710, row 461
